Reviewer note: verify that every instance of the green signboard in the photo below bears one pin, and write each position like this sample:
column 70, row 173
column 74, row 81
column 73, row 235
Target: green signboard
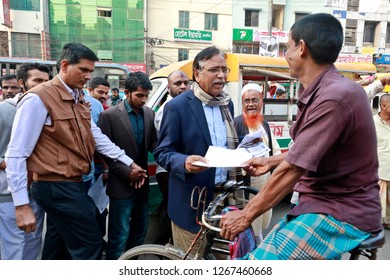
column 192, row 35
column 242, row 34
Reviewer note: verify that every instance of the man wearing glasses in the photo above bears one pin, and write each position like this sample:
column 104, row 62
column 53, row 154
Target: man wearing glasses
column 192, row 122
column 252, row 120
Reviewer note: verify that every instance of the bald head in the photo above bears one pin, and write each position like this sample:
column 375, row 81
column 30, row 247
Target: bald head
column 385, row 99
column 178, row 82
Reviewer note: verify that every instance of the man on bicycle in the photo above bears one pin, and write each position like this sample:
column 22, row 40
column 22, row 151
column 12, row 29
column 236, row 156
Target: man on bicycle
column 333, row 163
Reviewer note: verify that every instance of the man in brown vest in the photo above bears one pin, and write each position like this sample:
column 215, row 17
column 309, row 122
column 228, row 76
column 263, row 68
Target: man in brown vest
column 54, row 138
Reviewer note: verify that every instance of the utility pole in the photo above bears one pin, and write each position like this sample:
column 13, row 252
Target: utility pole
column 270, row 4
column 146, row 49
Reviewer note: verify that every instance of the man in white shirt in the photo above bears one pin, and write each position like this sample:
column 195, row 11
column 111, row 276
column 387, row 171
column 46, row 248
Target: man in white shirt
column 53, row 138
column 15, row 244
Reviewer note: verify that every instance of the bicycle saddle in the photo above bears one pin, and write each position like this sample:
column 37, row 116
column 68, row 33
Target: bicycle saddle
column 375, row 240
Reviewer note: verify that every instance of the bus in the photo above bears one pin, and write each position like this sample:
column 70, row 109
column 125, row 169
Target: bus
column 114, row 73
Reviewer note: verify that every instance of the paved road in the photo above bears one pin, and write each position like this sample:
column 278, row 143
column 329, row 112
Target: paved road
column 282, row 208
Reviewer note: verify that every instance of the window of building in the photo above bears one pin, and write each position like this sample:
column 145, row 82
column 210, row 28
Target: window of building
column 369, row 32
column 350, row 32
column 298, row 16
column 25, row 5
column 135, row 14
column 104, row 12
column 210, row 21
column 4, row 51
column 251, row 17
column 26, row 45
column 183, row 54
column 353, row 5
column 184, row 19
column 247, row 48
column 388, row 34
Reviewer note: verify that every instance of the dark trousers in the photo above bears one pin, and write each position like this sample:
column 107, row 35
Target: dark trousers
column 165, row 223
column 128, row 220
column 72, row 230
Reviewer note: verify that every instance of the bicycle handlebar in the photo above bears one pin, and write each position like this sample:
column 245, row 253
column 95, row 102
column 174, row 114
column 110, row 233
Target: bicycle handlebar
column 208, row 215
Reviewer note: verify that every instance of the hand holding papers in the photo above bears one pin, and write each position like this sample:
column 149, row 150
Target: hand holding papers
column 222, row 157
column 253, row 144
column 248, row 148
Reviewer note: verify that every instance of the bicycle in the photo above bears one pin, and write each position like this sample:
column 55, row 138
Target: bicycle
column 209, row 233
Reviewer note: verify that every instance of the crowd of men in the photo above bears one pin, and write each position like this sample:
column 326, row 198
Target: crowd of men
column 57, row 141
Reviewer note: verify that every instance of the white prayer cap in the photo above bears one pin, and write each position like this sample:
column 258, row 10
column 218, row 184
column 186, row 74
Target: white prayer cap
column 252, row 86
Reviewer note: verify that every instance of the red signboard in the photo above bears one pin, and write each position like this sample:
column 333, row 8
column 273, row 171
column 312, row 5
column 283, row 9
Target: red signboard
column 135, row 67
column 6, row 14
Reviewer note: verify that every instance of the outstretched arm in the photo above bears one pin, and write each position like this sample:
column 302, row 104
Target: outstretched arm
column 280, row 184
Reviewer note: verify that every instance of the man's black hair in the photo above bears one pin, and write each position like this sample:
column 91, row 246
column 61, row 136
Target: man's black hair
column 7, row 78
column 137, row 79
column 24, row 68
column 323, row 35
column 73, row 52
column 204, row 55
column 95, row 82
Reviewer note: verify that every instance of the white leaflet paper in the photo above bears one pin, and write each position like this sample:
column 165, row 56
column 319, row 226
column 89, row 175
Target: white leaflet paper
column 250, row 146
column 98, row 194
column 222, row 157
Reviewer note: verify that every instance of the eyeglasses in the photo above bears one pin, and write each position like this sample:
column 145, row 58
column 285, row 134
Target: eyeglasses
column 253, row 100
column 216, row 70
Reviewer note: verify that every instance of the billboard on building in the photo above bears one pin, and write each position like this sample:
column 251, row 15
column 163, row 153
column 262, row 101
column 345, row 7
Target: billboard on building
column 135, row 67
column 6, row 14
column 340, row 4
column 269, row 46
column 281, row 35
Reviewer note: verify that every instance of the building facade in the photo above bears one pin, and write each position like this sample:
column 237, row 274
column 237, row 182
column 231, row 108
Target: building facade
column 178, row 30
column 158, row 32
column 23, row 28
column 114, row 29
column 366, row 25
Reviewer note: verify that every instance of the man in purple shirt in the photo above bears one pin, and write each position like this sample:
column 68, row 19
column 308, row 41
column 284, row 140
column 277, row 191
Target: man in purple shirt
column 332, row 164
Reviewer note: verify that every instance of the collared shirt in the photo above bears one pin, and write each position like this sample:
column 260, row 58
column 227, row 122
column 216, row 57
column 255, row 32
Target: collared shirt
column 217, row 131
column 96, row 107
column 137, row 123
column 31, row 116
column 383, row 139
column 334, row 140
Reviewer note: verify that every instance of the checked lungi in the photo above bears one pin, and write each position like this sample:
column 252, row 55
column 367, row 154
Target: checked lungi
column 309, row 237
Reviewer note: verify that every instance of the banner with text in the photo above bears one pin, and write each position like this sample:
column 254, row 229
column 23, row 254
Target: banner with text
column 199, row 36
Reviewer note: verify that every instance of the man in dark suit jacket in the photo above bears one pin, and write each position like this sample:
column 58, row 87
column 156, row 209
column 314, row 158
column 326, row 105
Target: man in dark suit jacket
column 192, row 122
column 131, row 126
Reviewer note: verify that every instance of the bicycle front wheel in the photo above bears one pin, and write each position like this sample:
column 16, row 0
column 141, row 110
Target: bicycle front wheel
column 152, row 252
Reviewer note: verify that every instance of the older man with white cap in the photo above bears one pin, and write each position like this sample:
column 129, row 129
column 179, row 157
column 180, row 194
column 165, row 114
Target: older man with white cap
column 252, row 120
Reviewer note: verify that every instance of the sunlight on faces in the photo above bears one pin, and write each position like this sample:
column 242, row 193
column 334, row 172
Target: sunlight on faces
column 100, row 92
column 77, row 75
column 292, row 57
column 212, row 82
column 35, row 77
column 178, row 83
column 137, row 99
column 10, row 88
column 252, row 102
